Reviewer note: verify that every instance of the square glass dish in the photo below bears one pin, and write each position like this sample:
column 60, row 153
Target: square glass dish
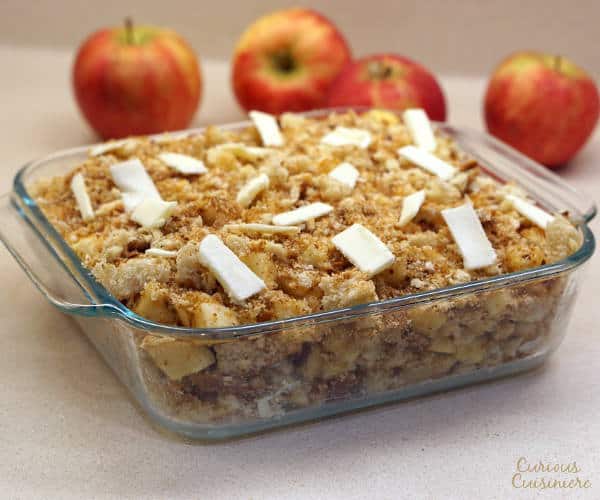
column 321, row 364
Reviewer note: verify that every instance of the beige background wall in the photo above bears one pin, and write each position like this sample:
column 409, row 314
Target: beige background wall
column 449, row 36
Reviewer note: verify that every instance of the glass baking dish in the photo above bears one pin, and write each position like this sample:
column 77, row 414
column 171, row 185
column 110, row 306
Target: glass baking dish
column 322, row 364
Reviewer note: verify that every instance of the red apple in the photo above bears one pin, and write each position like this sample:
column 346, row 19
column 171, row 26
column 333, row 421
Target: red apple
column 136, row 80
column 388, row 81
column 545, row 106
column 285, row 61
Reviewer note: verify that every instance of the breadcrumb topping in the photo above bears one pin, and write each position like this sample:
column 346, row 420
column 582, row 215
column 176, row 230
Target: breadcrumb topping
column 303, row 271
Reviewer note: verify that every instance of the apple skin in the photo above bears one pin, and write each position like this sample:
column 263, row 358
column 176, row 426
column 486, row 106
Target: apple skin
column 136, row 80
column 388, row 81
column 543, row 105
column 285, row 61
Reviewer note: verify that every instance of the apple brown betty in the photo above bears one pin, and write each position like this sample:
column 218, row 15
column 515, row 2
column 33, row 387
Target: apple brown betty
column 158, row 272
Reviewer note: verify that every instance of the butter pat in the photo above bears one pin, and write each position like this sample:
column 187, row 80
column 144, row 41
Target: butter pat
column 429, row 162
column 107, row 147
column 134, row 182
column 153, row 213
column 84, row 204
column 535, row 214
column 302, row 214
column 251, row 189
column 419, row 127
column 365, row 250
column 410, row 207
column 132, row 200
column 267, row 127
column 344, row 136
column 345, row 173
column 187, row 165
column 237, row 279
column 262, row 228
column 159, row 252
column 468, row 233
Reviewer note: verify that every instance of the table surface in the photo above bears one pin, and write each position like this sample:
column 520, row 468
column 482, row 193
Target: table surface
column 68, row 428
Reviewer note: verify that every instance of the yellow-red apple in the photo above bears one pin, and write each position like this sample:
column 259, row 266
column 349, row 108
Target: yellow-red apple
column 285, row 61
column 543, row 105
column 388, row 81
column 136, row 80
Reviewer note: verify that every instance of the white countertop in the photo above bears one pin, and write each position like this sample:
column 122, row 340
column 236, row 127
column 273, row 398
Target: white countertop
column 68, row 428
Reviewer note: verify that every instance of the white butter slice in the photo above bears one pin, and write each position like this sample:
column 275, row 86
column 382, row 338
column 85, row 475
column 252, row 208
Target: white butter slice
column 237, row 279
column 132, row 200
column 262, row 228
column 251, row 189
column 365, row 250
column 428, row 161
column 131, row 177
column 107, row 147
column 153, row 213
column 134, row 182
column 84, row 204
column 302, row 214
column 535, row 214
column 410, row 207
column 267, row 127
column 420, row 129
column 187, row 165
column 344, row 136
column 345, row 173
column 468, row 233
column 159, row 252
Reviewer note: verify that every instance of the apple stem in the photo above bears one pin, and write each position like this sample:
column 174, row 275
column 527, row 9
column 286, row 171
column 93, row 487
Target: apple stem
column 379, row 70
column 129, row 30
column 283, row 61
column 557, row 63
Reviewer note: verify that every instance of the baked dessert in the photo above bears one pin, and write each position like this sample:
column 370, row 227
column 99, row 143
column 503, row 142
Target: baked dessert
column 300, row 216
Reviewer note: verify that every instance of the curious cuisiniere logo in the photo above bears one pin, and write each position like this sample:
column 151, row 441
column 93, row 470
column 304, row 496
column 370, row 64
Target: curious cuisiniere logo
column 543, row 475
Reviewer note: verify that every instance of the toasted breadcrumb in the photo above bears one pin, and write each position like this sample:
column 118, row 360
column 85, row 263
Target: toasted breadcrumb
column 306, row 263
